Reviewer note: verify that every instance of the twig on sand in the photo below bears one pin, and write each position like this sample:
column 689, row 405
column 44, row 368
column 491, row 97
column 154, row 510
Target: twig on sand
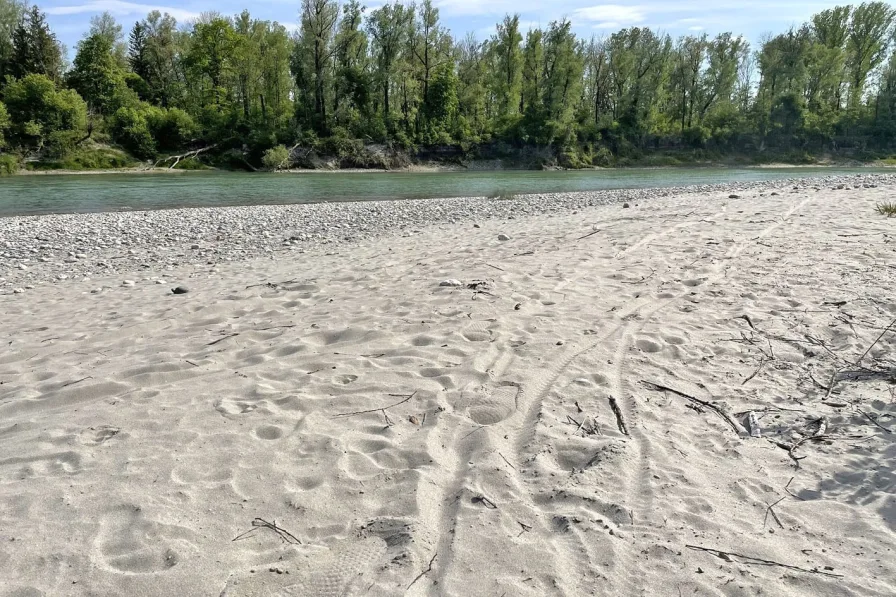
column 817, row 436
column 425, row 572
column 620, row 419
column 494, row 267
column 507, row 461
column 592, row 233
column 787, row 489
column 747, row 319
column 71, row 383
column 376, row 410
column 882, row 334
column 751, row 560
column 874, row 421
column 762, row 362
column 771, row 509
column 481, row 499
column 260, row 523
column 737, row 427
column 222, row 338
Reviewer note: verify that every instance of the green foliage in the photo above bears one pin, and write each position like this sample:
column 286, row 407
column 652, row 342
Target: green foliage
column 87, row 158
column 275, row 157
column 38, row 111
column 9, row 164
column 4, row 124
column 130, row 128
column 887, row 209
column 350, row 77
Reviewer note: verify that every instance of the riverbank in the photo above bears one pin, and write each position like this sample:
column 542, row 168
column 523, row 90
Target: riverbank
column 543, row 395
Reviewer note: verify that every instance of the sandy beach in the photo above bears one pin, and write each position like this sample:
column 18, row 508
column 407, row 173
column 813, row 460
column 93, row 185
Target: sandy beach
column 689, row 396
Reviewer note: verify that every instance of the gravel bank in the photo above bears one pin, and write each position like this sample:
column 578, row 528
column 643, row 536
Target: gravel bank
column 39, row 249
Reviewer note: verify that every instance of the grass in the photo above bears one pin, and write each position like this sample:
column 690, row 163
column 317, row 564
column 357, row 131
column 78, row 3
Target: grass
column 102, row 158
column 887, row 209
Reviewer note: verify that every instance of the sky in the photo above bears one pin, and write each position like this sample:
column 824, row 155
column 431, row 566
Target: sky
column 751, row 18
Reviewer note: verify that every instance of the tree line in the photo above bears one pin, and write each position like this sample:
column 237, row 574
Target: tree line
column 395, row 76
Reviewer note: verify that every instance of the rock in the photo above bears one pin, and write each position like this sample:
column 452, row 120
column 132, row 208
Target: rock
column 476, row 226
column 128, row 283
column 503, row 237
column 18, row 290
column 194, row 246
column 734, row 196
column 180, row 290
column 625, row 206
column 774, row 194
column 451, row 282
column 22, row 266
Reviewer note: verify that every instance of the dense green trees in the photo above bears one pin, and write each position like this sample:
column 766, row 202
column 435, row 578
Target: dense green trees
column 396, row 76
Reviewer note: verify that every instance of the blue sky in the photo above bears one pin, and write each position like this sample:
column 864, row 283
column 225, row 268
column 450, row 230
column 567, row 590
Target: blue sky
column 70, row 18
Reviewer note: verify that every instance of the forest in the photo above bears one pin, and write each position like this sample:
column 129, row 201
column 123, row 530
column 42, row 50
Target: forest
column 376, row 88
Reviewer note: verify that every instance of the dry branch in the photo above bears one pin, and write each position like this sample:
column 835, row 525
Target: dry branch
column 750, row 560
column 178, row 158
column 737, row 427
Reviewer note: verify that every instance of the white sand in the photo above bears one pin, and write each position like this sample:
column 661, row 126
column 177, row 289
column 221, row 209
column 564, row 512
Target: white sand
column 141, row 432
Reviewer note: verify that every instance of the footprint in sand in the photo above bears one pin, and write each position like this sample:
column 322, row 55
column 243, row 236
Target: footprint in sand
column 95, row 436
column 130, row 542
column 339, row 571
column 477, row 332
column 488, row 405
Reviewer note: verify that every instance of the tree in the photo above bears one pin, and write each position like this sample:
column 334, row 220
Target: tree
column 316, row 48
column 211, row 57
column 388, row 29
column 352, row 80
column 11, row 14
column 39, row 111
column 869, row 35
column 96, row 72
column 507, row 59
column 35, row 48
column 431, row 47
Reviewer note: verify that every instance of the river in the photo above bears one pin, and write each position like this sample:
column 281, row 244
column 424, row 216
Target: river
column 36, row 195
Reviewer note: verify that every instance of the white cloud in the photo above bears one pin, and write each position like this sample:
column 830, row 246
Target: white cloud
column 606, row 16
column 695, row 28
column 120, row 8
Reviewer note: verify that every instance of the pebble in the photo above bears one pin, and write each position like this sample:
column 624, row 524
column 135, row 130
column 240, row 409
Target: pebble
column 503, row 237
column 128, row 283
column 121, row 243
column 625, row 206
column 451, row 282
column 180, row 290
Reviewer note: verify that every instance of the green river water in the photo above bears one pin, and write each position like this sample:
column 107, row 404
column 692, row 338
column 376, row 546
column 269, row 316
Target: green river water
column 35, row 195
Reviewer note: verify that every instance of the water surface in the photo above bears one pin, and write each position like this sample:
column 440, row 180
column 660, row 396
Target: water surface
column 34, row 195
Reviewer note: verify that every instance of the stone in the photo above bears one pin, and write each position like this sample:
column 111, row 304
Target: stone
column 22, row 266
column 128, row 283
column 180, row 290
column 625, row 206
column 451, row 282
column 18, row 290
column 503, row 237
column 734, row 196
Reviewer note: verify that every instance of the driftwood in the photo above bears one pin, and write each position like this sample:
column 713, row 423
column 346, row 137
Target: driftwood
column 179, row 158
column 737, row 427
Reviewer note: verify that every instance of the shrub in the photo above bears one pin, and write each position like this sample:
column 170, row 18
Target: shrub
column 887, row 209
column 9, row 164
column 172, row 128
column 130, row 129
column 37, row 109
column 274, row 157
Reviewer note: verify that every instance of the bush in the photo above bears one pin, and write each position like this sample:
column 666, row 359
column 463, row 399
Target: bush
column 9, row 164
column 887, row 209
column 37, row 109
column 130, row 128
column 275, row 156
column 172, row 129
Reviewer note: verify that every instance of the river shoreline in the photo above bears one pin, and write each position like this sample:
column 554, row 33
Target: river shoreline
column 448, row 168
column 57, row 247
